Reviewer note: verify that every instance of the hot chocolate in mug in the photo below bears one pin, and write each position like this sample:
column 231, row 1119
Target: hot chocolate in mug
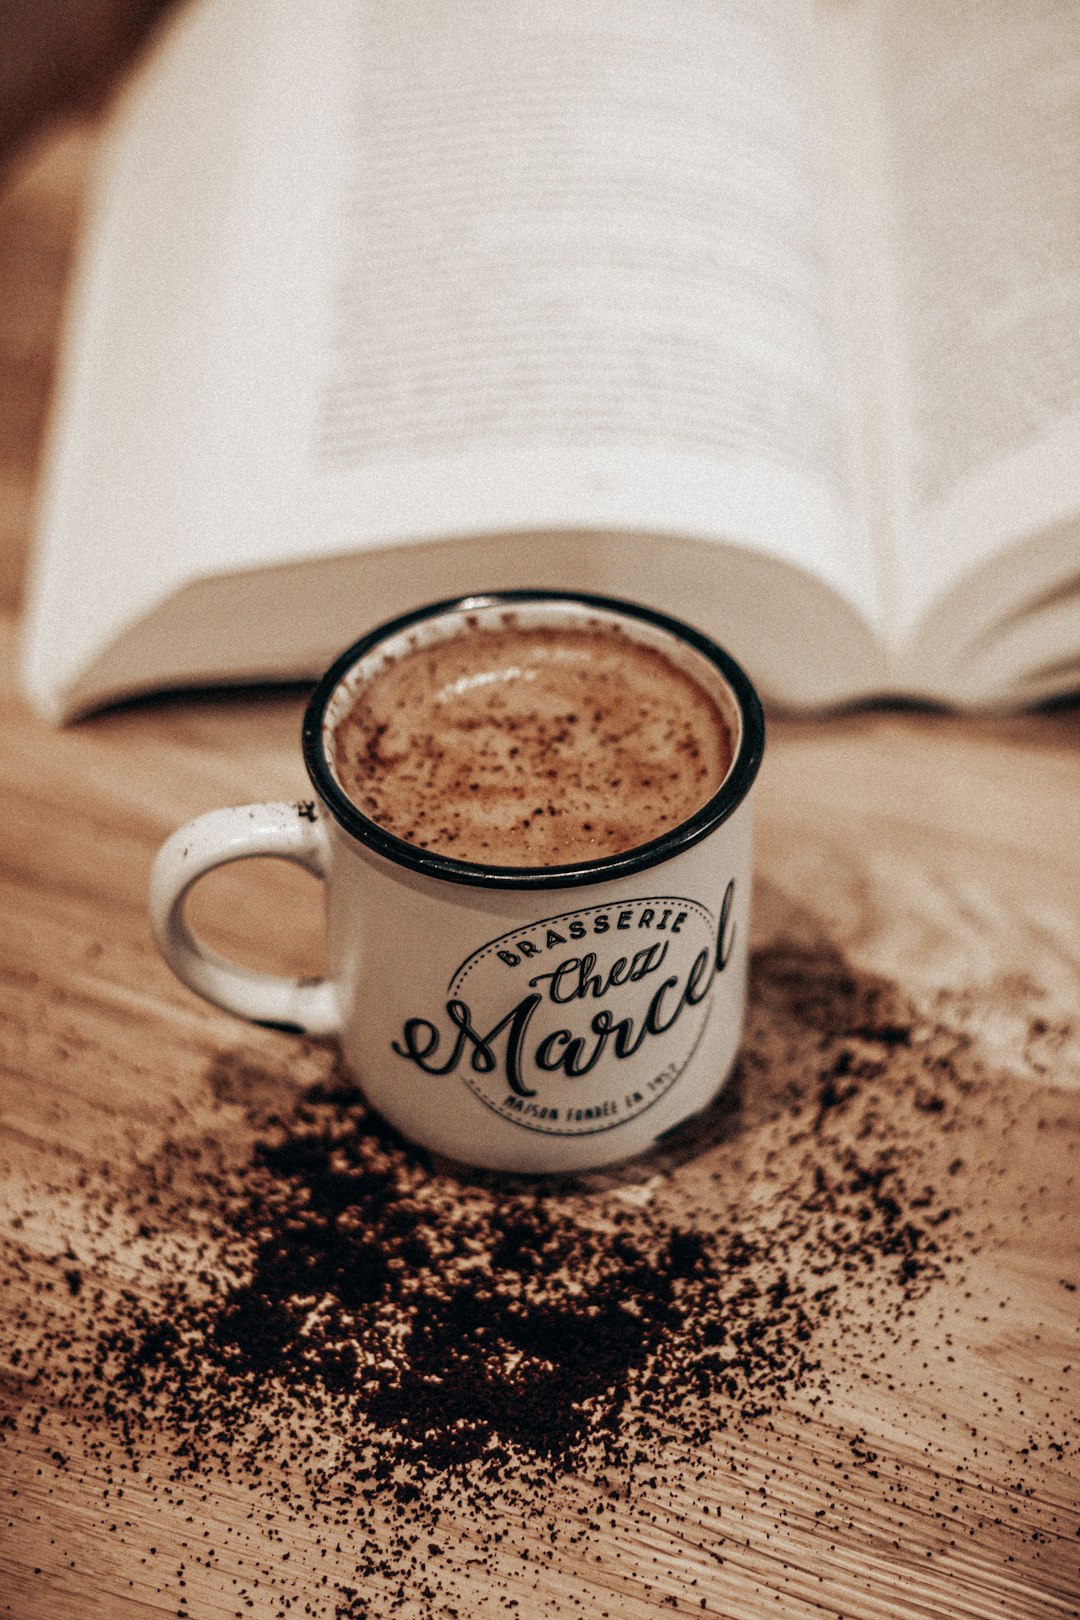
column 532, row 816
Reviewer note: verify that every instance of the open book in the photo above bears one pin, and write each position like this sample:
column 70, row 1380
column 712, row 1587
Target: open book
column 765, row 312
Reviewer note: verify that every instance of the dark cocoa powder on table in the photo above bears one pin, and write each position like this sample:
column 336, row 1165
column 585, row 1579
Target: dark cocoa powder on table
column 373, row 1340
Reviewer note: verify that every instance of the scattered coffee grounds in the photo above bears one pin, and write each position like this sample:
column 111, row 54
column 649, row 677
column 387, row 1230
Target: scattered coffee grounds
column 370, row 1346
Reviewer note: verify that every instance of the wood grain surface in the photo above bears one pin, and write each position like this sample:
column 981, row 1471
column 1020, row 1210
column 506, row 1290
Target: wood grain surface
column 921, row 864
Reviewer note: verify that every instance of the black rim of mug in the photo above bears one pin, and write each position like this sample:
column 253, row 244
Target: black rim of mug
column 731, row 793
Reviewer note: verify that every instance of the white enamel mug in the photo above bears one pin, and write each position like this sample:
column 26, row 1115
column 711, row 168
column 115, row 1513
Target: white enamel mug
column 531, row 1019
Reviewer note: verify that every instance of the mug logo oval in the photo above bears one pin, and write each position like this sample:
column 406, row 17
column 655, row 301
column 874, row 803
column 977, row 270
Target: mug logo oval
column 580, row 1022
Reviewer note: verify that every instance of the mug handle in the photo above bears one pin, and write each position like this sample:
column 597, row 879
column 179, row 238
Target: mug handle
column 292, row 832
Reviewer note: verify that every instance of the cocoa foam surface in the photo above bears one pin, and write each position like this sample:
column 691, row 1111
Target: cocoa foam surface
column 526, row 746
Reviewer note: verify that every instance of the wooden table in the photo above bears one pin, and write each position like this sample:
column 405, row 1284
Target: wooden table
column 922, row 867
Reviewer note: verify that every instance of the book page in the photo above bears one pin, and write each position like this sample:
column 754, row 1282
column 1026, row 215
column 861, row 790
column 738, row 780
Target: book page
column 372, row 277
column 862, row 275
column 557, row 266
column 980, row 104
column 130, row 480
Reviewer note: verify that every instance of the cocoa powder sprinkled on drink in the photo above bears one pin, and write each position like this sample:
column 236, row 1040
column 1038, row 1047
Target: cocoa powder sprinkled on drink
column 531, row 746
column 375, row 1350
